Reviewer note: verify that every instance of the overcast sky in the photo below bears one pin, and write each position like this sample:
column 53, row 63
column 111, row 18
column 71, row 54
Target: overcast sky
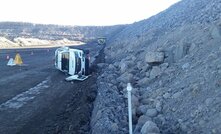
column 81, row 12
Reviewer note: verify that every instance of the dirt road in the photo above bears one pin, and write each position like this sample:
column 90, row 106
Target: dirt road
column 34, row 98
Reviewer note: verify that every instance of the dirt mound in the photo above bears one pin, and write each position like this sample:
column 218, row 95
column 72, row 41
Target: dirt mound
column 5, row 43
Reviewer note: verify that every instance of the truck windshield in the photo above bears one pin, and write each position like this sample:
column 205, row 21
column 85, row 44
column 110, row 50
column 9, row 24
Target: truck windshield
column 78, row 63
column 65, row 61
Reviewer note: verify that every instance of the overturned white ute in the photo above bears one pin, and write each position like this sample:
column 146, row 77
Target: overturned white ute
column 75, row 62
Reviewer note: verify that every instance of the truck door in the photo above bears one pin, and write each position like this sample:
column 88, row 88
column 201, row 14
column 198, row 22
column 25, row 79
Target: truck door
column 58, row 60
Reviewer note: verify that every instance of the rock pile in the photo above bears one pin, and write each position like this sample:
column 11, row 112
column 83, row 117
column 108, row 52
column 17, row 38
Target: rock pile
column 173, row 62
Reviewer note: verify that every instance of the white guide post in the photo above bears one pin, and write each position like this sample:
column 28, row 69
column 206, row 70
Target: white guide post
column 129, row 89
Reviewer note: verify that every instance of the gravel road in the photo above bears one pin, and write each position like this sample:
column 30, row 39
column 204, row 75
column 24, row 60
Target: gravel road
column 34, row 98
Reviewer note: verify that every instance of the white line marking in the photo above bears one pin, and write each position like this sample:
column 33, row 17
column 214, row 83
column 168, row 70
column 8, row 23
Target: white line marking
column 23, row 98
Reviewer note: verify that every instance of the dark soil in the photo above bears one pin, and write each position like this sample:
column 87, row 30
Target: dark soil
column 63, row 107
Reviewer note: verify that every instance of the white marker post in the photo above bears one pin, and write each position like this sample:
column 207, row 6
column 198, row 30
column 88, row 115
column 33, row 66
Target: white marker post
column 129, row 89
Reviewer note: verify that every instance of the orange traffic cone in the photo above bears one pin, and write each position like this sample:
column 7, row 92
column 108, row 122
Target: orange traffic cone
column 18, row 60
column 7, row 57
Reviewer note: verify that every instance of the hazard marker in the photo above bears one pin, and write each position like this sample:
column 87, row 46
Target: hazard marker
column 18, row 59
column 11, row 62
column 129, row 89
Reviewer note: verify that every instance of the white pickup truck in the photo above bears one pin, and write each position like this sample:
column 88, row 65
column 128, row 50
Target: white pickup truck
column 75, row 62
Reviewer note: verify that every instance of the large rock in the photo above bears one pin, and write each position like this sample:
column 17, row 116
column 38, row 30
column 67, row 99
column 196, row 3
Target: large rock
column 215, row 32
column 135, row 101
column 151, row 112
column 156, row 71
column 164, row 66
column 124, row 65
column 181, row 50
column 135, row 104
column 142, row 66
column 143, row 82
column 154, row 57
column 150, row 127
column 177, row 95
column 142, row 109
column 111, row 67
column 141, row 121
column 169, row 56
column 125, row 78
column 158, row 106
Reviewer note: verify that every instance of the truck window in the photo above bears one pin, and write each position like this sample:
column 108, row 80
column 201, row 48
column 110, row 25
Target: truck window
column 65, row 61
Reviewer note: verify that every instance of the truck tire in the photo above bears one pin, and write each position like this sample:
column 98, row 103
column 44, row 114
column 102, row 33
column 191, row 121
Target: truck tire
column 87, row 66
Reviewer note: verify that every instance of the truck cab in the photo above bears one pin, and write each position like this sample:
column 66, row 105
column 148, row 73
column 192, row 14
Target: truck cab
column 74, row 62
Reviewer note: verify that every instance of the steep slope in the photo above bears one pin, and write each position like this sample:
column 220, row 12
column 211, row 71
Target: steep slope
column 186, row 12
column 173, row 62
